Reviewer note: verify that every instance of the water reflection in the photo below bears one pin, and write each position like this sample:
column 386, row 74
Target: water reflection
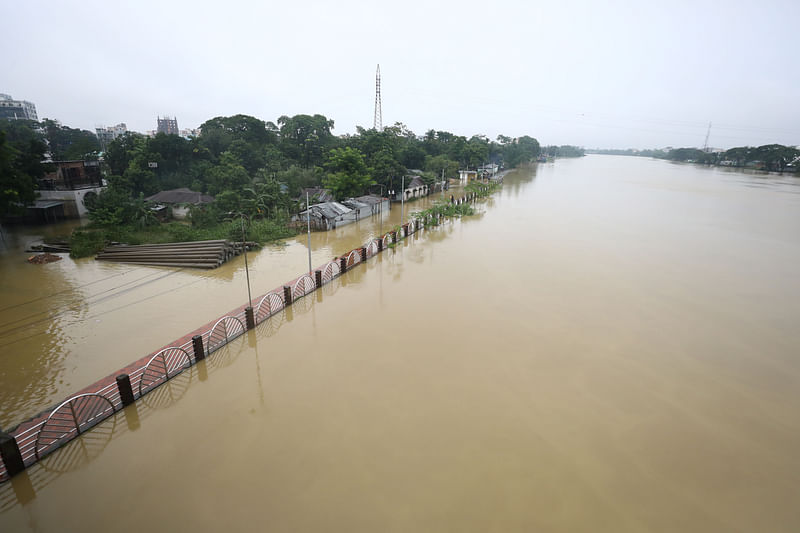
column 62, row 325
column 612, row 349
column 81, row 451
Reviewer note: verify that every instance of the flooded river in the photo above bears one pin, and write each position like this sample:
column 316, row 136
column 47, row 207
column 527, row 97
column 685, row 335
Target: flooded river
column 610, row 345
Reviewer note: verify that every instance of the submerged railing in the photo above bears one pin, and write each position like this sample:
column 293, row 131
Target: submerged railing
column 34, row 440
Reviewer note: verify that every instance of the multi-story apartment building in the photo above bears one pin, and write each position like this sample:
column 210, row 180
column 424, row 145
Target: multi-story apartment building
column 17, row 109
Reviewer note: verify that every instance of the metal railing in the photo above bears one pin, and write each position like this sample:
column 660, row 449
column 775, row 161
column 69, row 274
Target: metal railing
column 70, row 419
column 81, row 412
column 304, row 285
column 163, row 366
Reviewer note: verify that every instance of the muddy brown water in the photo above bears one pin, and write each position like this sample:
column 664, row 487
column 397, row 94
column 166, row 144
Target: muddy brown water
column 611, row 345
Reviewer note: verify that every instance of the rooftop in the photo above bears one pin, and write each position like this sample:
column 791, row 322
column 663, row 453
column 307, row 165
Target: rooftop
column 327, row 210
column 180, row 196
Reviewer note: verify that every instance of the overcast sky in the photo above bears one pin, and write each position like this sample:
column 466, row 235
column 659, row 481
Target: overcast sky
column 592, row 73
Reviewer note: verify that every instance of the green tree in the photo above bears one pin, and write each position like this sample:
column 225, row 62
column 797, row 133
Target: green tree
column 25, row 137
column 229, row 201
column 274, row 160
column 476, row 152
column 217, row 134
column 70, row 143
column 120, row 151
column 693, row 155
column 305, row 138
column 739, row 155
column 228, row 175
column 520, row 151
column 297, row 178
column 17, row 189
column 436, row 165
column 264, row 198
column 349, row 175
column 385, row 166
column 775, row 156
column 114, row 206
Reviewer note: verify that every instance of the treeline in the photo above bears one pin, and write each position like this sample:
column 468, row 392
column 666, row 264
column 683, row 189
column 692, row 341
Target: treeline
column 772, row 157
column 659, row 154
column 253, row 167
column 564, row 150
column 301, row 151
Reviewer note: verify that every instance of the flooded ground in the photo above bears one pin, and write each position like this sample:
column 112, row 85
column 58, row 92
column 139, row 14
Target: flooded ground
column 610, row 346
column 65, row 325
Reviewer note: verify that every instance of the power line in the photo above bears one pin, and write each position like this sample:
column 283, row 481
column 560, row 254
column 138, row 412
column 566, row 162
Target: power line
column 66, row 290
column 109, row 311
column 7, row 332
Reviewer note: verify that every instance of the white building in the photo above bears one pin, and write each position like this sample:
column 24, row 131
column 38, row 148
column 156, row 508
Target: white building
column 366, row 206
column 467, row 175
column 17, row 109
column 414, row 188
column 106, row 135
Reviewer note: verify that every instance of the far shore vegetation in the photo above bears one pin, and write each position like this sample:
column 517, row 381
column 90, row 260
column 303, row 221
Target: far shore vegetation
column 769, row 157
column 255, row 169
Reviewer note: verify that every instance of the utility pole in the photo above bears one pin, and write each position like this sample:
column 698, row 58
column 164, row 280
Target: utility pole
column 308, row 223
column 708, row 133
column 402, row 200
column 246, row 269
column 380, row 209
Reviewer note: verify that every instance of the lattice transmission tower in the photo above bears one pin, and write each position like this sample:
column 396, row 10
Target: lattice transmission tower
column 378, row 122
column 708, row 133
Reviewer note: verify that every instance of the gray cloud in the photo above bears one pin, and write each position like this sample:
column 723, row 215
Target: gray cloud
column 609, row 74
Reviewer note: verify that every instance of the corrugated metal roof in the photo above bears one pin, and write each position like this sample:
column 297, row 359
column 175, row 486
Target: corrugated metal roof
column 316, row 194
column 370, row 199
column 354, row 204
column 416, row 181
column 328, row 210
column 180, row 196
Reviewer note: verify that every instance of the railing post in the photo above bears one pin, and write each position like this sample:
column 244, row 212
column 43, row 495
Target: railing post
column 125, row 389
column 12, row 458
column 287, row 295
column 343, row 264
column 394, row 237
column 380, row 244
column 249, row 317
column 318, row 278
column 405, row 230
column 197, row 345
column 363, row 252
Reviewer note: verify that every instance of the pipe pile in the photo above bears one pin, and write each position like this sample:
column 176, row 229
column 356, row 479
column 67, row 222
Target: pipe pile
column 198, row 254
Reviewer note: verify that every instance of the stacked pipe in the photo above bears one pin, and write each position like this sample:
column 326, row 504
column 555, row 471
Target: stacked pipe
column 198, row 254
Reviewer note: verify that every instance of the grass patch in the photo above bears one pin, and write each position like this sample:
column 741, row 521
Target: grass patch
column 91, row 239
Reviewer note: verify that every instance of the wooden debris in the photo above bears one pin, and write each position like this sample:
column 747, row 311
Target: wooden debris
column 41, row 259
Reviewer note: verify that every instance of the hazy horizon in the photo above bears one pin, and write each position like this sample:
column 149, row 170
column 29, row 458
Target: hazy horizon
column 621, row 76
